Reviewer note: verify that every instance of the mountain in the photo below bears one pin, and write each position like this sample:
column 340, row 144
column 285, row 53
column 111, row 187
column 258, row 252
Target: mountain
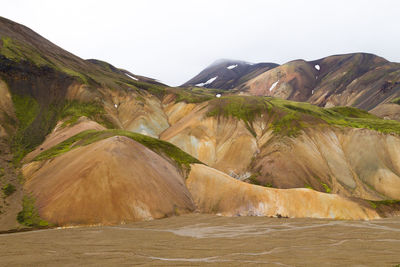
column 84, row 142
column 41, row 84
column 118, row 177
column 360, row 80
column 283, row 144
column 227, row 74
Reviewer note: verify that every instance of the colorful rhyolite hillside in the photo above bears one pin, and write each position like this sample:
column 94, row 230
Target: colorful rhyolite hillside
column 83, row 142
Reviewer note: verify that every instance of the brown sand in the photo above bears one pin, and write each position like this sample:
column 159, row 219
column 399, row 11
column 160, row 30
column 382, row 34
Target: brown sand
column 193, row 240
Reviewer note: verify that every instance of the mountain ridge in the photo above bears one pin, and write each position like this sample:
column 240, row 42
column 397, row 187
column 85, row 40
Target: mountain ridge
column 337, row 80
column 193, row 143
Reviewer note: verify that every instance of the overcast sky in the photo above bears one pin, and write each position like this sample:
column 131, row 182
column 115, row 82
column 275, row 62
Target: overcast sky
column 173, row 40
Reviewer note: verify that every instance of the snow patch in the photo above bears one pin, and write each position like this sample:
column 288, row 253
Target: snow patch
column 210, row 81
column 232, row 66
column 273, row 85
column 130, row 76
column 317, row 67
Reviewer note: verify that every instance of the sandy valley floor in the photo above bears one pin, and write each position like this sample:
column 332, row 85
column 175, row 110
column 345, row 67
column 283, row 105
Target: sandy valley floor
column 210, row 240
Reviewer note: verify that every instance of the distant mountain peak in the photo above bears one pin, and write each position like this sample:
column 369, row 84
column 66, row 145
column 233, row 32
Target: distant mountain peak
column 228, row 73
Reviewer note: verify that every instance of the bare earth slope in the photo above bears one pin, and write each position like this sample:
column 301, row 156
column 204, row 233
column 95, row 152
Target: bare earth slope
column 223, row 143
column 352, row 162
column 216, row 192
column 387, row 111
column 11, row 189
column 108, row 182
column 290, row 145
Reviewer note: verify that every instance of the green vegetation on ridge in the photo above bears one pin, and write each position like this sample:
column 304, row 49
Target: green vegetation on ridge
column 73, row 110
column 27, row 110
column 181, row 158
column 154, row 89
column 26, row 50
column 289, row 117
column 17, row 51
column 245, row 108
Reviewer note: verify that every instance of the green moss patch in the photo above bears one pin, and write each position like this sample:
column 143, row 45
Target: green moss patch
column 244, row 108
column 308, row 186
column 8, row 190
column 26, row 110
column 388, row 202
column 181, row 158
column 29, row 215
column 73, row 110
column 18, row 51
column 352, row 112
column 253, row 179
column 81, row 77
column 326, row 187
column 154, row 89
column 396, row 101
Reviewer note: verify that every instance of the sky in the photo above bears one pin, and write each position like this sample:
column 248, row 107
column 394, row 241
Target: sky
column 173, row 40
